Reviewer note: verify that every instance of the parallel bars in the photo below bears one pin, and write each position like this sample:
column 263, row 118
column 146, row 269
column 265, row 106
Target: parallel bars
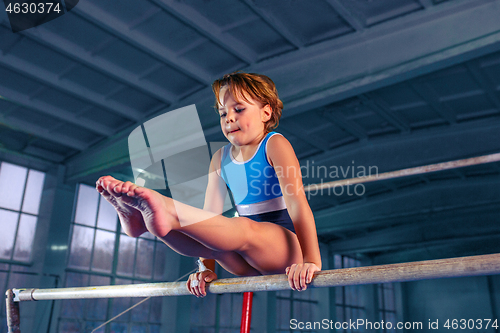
column 404, row 272
column 411, row 271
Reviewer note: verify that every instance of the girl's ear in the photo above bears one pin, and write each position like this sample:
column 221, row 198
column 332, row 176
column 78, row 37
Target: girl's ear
column 266, row 113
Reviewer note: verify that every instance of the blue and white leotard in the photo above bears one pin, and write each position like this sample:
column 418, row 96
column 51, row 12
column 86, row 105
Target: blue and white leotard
column 255, row 186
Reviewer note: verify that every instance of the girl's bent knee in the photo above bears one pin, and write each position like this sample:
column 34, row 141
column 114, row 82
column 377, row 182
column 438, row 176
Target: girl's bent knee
column 249, row 226
column 250, row 232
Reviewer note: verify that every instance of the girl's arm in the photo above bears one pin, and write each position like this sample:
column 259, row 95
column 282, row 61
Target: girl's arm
column 215, row 195
column 287, row 167
column 216, row 189
column 214, row 202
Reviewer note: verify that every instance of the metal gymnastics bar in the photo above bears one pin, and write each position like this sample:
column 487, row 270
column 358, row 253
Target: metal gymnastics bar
column 407, row 172
column 488, row 264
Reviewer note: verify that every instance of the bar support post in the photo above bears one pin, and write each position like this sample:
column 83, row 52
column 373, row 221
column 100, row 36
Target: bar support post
column 246, row 312
column 12, row 308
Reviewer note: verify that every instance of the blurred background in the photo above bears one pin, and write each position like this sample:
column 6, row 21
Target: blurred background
column 368, row 86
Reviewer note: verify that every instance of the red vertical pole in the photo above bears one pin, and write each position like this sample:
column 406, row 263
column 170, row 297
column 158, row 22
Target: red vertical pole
column 246, row 313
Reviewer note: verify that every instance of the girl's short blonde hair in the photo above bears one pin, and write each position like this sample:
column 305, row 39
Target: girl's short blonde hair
column 259, row 87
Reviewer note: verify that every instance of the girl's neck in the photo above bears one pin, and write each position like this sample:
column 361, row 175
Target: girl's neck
column 245, row 152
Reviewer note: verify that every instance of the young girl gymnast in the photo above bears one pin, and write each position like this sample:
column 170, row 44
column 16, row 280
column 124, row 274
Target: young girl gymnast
column 275, row 231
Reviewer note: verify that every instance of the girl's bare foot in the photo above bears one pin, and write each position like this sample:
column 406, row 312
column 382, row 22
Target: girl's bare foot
column 130, row 218
column 139, row 209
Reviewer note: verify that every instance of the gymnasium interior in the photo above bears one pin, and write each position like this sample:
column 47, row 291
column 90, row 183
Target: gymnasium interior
column 369, row 87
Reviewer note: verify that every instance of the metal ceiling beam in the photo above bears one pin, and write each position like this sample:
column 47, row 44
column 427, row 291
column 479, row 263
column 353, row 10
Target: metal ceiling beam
column 275, row 24
column 418, row 147
column 362, row 70
column 310, row 138
column 346, row 15
column 70, row 49
column 46, row 77
column 486, row 85
column 356, row 63
column 44, row 133
column 36, row 161
column 205, row 27
column 353, row 64
column 155, row 49
column 426, row 231
column 145, row 17
column 63, row 115
column 461, row 95
column 112, row 153
column 466, row 247
column 430, row 97
column 409, row 204
column 298, row 74
column 393, row 12
column 347, row 125
column 46, row 154
column 381, row 109
column 239, row 23
column 114, row 156
column 426, row 3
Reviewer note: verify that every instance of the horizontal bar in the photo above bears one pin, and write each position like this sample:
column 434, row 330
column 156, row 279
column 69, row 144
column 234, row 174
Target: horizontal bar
column 411, row 271
column 407, row 172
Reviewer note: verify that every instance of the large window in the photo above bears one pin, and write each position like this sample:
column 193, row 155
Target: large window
column 20, row 194
column 222, row 313
column 349, row 301
column 217, row 313
column 101, row 255
column 386, row 305
column 300, row 306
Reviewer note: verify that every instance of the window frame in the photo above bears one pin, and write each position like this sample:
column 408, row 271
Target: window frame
column 113, row 274
column 20, row 213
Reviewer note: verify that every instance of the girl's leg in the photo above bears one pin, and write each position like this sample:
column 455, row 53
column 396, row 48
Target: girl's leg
column 130, row 218
column 267, row 247
column 187, row 246
column 133, row 224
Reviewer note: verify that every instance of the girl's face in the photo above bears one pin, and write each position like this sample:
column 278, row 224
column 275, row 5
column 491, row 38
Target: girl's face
column 242, row 122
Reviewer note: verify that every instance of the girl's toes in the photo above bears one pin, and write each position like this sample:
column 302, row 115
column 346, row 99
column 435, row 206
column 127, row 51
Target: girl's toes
column 102, row 191
column 117, row 189
column 132, row 190
column 126, row 187
column 139, row 191
column 100, row 181
column 104, row 181
column 108, row 186
column 105, row 193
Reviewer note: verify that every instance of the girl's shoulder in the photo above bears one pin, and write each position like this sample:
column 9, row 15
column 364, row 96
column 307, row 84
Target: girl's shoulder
column 215, row 163
column 278, row 146
column 277, row 140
